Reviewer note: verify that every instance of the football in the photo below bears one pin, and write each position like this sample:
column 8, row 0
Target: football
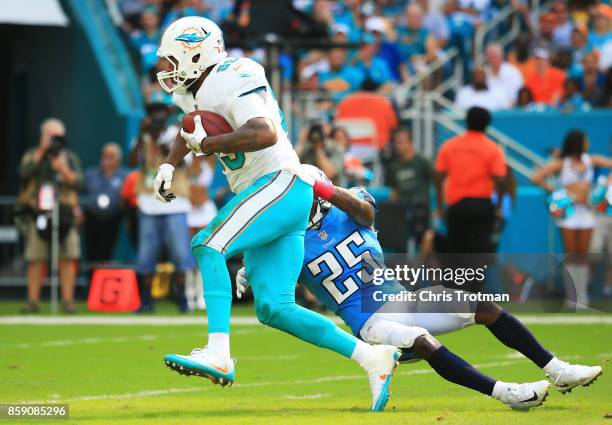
column 214, row 124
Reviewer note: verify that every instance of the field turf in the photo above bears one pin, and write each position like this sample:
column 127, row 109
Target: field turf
column 111, row 374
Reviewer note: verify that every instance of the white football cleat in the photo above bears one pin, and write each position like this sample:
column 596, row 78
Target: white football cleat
column 205, row 363
column 380, row 371
column 568, row 376
column 521, row 396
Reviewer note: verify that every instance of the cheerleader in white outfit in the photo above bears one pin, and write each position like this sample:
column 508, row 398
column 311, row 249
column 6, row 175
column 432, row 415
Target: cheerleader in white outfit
column 575, row 170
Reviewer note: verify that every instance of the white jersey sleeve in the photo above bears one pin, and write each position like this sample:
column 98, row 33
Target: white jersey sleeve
column 237, row 89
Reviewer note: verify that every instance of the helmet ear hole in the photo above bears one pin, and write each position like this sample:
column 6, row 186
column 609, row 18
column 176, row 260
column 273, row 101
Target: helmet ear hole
column 195, row 58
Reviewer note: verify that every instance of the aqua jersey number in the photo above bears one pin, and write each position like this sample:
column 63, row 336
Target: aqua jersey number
column 232, row 161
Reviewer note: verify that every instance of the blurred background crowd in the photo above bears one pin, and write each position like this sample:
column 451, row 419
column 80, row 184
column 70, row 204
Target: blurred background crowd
column 361, row 81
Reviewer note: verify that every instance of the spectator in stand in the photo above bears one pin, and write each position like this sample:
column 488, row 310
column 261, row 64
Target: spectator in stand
column 411, row 37
column 182, row 8
column 544, row 39
column 371, row 66
column 545, row 81
column 572, row 99
column 146, row 41
column 160, row 225
column 43, row 170
column 322, row 14
column 462, row 27
column 502, row 75
column 316, row 148
column 563, row 30
column 520, row 57
column 470, row 166
column 591, row 80
column 435, row 22
column 386, row 50
column 348, row 13
column 479, row 93
column 341, row 78
column 579, row 39
column 410, row 175
column 102, row 204
column 601, row 33
column 524, row 98
column 419, row 63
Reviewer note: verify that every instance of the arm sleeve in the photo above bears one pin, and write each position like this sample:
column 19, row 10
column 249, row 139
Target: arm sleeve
column 249, row 105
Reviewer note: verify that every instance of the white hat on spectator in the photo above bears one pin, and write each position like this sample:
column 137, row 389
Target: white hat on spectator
column 541, row 53
column 314, row 68
column 376, row 24
column 340, row 29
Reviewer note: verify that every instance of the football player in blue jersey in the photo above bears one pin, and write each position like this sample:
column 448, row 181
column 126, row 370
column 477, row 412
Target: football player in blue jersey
column 340, row 239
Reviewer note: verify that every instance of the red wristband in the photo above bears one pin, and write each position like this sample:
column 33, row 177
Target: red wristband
column 323, row 189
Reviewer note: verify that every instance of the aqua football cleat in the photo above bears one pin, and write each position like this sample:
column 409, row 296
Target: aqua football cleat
column 204, row 363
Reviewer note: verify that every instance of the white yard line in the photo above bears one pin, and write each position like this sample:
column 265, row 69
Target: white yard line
column 92, row 340
column 306, row 396
column 549, row 319
column 207, row 386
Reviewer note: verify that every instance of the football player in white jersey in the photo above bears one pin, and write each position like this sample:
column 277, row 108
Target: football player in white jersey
column 267, row 218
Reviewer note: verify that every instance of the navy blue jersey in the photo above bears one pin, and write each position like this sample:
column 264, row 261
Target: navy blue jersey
column 334, row 256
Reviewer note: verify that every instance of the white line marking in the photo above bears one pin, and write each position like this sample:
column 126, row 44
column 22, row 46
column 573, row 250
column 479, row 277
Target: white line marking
column 65, row 342
column 118, row 320
column 306, row 396
column 159, row 392
column 549, row 319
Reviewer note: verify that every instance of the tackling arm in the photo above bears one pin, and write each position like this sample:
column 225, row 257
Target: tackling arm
column 359, row 210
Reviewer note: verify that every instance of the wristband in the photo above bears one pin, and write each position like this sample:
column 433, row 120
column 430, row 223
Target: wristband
column 323, row 189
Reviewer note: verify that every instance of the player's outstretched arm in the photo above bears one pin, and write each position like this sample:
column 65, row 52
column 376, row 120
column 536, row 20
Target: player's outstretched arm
column 256, row 134
column 360, row 211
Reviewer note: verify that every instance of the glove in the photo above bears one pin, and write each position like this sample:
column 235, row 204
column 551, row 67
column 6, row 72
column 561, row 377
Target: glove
column 162, row 183
column 194, row 140
column 241, row 282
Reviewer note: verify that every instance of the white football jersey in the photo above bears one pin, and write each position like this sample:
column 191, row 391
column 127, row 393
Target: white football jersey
column 237, row 89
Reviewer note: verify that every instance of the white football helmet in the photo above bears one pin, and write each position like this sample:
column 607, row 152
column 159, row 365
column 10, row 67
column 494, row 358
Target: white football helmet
column 191, row 45
column 322, row 206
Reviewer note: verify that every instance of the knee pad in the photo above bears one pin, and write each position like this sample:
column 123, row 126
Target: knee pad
column 388, row 332
column 266, row 311
column 406, row 335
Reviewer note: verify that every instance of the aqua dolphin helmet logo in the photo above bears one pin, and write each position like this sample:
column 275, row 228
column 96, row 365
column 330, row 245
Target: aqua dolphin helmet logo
column 193, row 37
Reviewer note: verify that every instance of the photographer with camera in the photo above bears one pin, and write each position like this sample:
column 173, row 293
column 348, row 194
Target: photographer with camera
column 50, row 173
column 316, row 148
column 160, row 225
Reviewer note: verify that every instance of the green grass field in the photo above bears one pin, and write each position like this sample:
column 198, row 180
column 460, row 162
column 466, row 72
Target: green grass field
column 114, row 374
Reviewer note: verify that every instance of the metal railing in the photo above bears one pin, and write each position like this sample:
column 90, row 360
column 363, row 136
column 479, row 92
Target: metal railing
column 431, row 109
column 451, row 56
column 508, row 12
